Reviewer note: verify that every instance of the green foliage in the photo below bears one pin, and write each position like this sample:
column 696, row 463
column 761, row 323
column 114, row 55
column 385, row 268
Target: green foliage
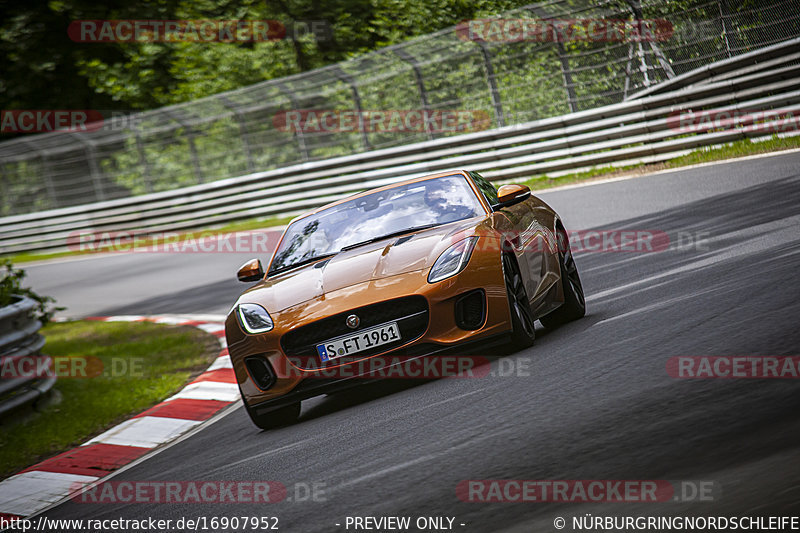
column 11, row 288
column 38, row 54
column 22, row 182
column 42, row 67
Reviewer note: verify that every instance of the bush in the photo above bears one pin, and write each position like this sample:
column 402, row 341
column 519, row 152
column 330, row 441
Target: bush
column 11, row 288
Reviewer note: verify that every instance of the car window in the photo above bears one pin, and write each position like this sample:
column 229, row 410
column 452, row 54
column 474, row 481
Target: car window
column 489, row 191
column 423, row 203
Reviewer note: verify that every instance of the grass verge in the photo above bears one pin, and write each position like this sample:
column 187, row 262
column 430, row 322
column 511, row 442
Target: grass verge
column 741, row 148
column 142, row 364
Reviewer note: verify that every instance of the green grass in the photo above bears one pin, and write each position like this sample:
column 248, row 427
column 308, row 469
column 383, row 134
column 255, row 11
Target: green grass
column 254, row 223
column 27, row 257
column 152, row 361
column 736, row 149
column 546, row 182
column 741, row 148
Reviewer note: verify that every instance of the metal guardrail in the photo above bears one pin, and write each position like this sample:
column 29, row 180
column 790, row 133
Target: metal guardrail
column 20, row 340
column 638, row 130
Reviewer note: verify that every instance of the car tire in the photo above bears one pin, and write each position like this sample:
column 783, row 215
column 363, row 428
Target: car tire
column 280, row 417
column 523, row 331
column 574, row 306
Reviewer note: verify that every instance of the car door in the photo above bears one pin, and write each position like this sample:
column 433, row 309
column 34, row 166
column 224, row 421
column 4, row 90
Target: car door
column 525, row 225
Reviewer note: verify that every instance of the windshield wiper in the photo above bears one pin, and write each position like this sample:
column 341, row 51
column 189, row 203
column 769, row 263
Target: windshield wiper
column 388, row 235
column 300, row 263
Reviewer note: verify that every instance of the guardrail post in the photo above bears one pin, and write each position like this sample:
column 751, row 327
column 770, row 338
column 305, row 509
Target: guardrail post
column 566, row 72
column 638, row 15
column 628, row 72
column 48, row 179
column 423, row 95
column 643, row 65
column 566, row 76
column 97, row 178
column 347, row 78
column 493, row 92
column 147, row 175
column 3, row 203
column 301, row 140
column 190, row 134
column 94, row 171
column 724, row 14
column 242, row 130
column 48, row 182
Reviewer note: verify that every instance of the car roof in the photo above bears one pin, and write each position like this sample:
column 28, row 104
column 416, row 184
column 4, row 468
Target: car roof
column 382, row 188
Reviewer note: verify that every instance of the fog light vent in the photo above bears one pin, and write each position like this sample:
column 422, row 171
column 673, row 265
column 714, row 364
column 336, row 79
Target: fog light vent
column 261, row 371
column 471, row 310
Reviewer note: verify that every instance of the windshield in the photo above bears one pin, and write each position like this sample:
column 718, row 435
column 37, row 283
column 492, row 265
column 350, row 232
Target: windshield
column 415, row 205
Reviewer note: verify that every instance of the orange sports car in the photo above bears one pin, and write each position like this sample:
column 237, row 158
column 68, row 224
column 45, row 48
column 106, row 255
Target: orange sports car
column 421, row 267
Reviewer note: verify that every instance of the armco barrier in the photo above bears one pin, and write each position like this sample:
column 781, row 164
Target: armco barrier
column 20, row 339
column 636, row 131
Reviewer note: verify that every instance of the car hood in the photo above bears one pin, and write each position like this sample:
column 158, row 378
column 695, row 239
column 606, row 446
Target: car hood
column 382, row 259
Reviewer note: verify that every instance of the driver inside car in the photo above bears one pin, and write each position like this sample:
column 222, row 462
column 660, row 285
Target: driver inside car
column 443, row 203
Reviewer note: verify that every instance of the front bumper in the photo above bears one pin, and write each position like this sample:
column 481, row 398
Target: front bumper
column 311, row 387
column 292, row 382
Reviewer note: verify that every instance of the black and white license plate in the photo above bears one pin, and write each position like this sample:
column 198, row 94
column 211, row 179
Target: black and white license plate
column 358, row 342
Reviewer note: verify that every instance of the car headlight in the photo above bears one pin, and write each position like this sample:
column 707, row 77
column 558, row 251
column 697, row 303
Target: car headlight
column 254, row 319
column 453, row 260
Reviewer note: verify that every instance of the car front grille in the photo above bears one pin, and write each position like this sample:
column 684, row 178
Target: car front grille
column 410, row 313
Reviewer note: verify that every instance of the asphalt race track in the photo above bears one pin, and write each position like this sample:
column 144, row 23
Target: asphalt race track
column 591, row 400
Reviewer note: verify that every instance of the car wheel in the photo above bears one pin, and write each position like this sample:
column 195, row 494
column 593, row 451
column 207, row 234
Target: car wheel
column 523, row 331
column 574, row 305
column 280, row 417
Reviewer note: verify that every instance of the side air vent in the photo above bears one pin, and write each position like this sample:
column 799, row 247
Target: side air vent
column 471, row 310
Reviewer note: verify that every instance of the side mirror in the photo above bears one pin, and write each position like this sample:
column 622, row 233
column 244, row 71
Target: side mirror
column 251, row 271
column 511, row 194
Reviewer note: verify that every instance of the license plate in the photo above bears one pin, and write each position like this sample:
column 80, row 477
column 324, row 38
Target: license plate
column 358, row 342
